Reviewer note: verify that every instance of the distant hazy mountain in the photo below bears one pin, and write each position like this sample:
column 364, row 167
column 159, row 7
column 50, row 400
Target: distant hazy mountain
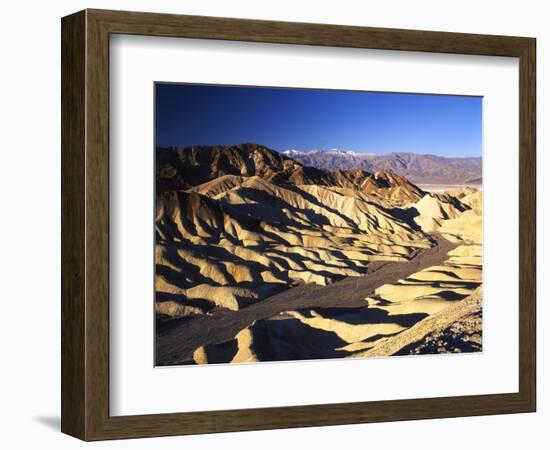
column 427, row 169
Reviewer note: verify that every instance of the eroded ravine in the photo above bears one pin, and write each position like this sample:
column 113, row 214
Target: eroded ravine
column 177, row 344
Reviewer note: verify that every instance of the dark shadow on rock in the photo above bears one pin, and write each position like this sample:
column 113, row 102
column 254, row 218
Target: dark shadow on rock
column 163, row 324
column 312, row 199
column 202, row 304
column 451, row 295
column 292, row 340
column 272, row 208
column 405, row 214
column 221, row 353
column 369, row 315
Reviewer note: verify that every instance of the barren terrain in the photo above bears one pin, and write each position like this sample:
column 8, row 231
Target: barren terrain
column 259, row 258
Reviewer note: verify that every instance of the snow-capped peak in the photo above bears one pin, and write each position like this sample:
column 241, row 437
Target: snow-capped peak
column 330, row 151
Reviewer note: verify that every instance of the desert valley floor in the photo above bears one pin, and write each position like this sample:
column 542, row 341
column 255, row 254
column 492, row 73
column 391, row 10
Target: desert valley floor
column 261, row 258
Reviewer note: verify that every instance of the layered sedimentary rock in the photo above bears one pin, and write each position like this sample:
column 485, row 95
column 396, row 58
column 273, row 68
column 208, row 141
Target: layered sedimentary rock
column 238, row 226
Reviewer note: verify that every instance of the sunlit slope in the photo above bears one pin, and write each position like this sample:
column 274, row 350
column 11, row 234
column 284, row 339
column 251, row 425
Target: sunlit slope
column 238, row 225
column 432, row 311
column 248, row 238
column 218, row 168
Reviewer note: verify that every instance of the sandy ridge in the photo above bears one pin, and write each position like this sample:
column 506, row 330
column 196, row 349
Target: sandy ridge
column 179, row 343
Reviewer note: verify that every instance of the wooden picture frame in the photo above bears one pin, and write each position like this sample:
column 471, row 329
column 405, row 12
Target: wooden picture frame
column 85, row 224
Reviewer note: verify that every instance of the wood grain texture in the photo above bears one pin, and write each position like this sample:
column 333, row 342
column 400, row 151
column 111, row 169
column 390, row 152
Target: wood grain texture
column 97, row 225
column 201, row 27
column 527, row 224
column 85, row 224
column 73, row 109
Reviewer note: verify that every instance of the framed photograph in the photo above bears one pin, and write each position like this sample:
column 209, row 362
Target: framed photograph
column 273, row 225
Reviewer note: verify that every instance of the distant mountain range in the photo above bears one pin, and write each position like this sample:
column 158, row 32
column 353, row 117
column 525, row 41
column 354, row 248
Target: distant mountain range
column 422, row 169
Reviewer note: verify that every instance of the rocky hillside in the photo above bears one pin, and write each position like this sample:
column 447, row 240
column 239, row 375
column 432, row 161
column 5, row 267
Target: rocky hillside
column 182, row 168
column 188, row 167
column 261, row 258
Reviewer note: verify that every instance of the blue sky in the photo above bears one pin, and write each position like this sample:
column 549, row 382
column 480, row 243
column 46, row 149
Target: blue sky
column 316, row 119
